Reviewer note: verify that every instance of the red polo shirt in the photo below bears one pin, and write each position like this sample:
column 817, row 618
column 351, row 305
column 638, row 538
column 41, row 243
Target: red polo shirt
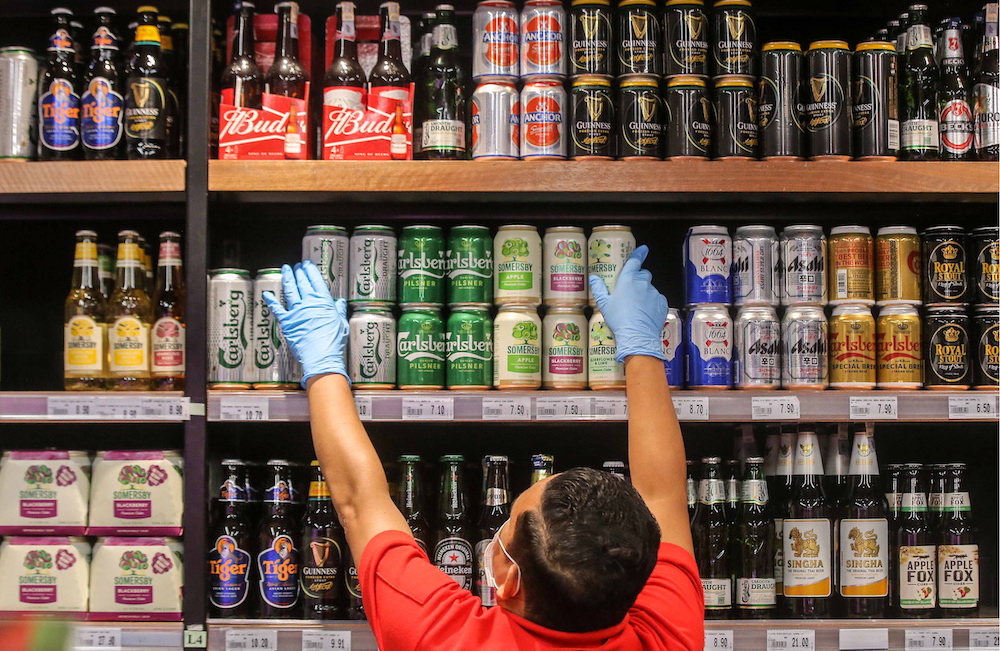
column 412, row 605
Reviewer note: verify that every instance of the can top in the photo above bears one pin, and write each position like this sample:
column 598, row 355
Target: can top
column 421, row 227
column 675, row 3
column 639, row 81
column 896, row 230
column 709, row 460
column 732, row 3
column 541, row 459
column 546, row 82
column 898, row 310
column 469, row 227
column 519, row 307
column 420, row 307
column 843, row 230
column 852, row 309
column 800, row 228
column 633, row 3
column 372, row 227
column 876, row 45
column 452, row 458
column 695, row 230
column 469, row 307
column 517, row 227
column 563, row 229
column 945, row 309
column 565, row 309
column 754, row 460
column 918, row 7
column 732, row 81
column 591, row 80
column 368, row 306
column 781, row 45
column 752, row 229
column 986, row 230
column 278, row 462
column 323, row 228
column 701, row 307
column 233, row 462
column 987, row 310
column 493, row 3
column 816, row 312
column 614, row 464
column 17, row 48
column 268, row 271
column 495, row 458
column 756, row 310
column 408, row 458
column 685, row 80
column 611, row 227
column 950, row 229
column 578, row 3
column 495, row 80
column 829, row 45
column 228, row 270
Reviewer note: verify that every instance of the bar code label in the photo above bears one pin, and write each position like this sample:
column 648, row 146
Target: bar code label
column 927, row 638
column 88, row 639
column 165, row 408
column 506, row 408
column 841, row 282
column 364, row 406
column 611, row 408
column 791, row 639
column 71, row 407
column 562, row 408
column 969, row 407
column 691, row 408
column 768, row 408
column 119, row 408
column 428, row 409
column 244, row 408
column 257, row 640
column 864, row 639
column 722, row 640
column 326, row 641
column 984, row 638
column 870, row 408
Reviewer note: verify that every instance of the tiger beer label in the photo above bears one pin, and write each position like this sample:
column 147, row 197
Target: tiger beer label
column 167, row 345
column 228, row 573
column 453, row 556
column 102, row 112
column 988, row 263
column 806, row 556
column 826, row 102
column 83, row 342
column 718, row 593
column 59, row 116
column 948, row 353
column 278, row 572
column 958, row 576
column 864, row 557
column 756, row 593
column 917, row 568
column 946, row 276
column 146, row 108
column 128, row 345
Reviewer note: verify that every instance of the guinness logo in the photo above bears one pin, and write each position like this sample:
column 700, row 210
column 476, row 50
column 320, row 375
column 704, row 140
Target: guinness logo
column 951, row 335
column 640, row 25
column 695, row 24
column 736, row 25
column 950, row 252
column 818, row 85
column 595, row 107
column 706, row 109
column 590, row 23
column 858, row 87
column 751, row 108
column 647, row 106
column 320, row 552
column 140, row 93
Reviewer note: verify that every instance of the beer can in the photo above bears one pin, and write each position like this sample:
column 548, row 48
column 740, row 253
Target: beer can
column 230, row 322
column 708, row 339
column 18, row 115
column 469, row 347
column 944, row 262
column 564, row 274
column 372, row 261
column 590, row 37
column 543, row 113
column 497, row 36
column 543, row 39
column 421, row 265
column 851, row 278
column 984, row 244
column 640, row 127
column 275, row 367
column 517, row 254
column 756, row 266
column 803, row 340
column 899, row 348
column 673, row 348
column 779, row 102
column 604, row 371
column 685, row 38
column 757, row 348
column 986, row 348
column 470, row 265
column 564, row 362
column 371, row 351
column 828, row 104
column 496, row 121
column 708, row 255
column 736, row 117
column 517, row 348
column 947, row 363
column 689, row 119
column 420, row 347
column 734, row 39
column 328, row 248
column 803, row 262
column 852, row 347
column 591, row 119
column 897, row 266
column 639, row 38
column 608, row 248
column 875, row 106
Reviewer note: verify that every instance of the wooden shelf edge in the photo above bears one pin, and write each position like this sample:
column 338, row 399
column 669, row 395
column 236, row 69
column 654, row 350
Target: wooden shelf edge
column 90, row 177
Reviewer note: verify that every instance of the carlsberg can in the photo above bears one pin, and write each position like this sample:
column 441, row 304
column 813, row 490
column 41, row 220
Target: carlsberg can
column 371, row 352
column 373, row 265
column 421, row 265
column 607, row 250
column 470, row 265
column 565, row 355
column 565, row 266
column 275, row 367
column 518, row 363
column 469, row 347
column 517, row 254
column 327, row 247
column 603, row 371
column 420, row 347
column 230, row 309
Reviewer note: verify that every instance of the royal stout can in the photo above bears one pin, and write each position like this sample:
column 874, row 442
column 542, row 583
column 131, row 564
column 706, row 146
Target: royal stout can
column 779, row 102
column 18, row 114
column 851, row 278
column 608, row 249
column 564, row 360
column 875, row 105
column 564, row 271
column 328, row 248
column 420, row 347
column 944, row 261
column 986, row 348
column 639, row 39
column 543, row 119
column 640, row 127
column 517, row 360
column 828, row 101
column 897, row 266
column 469, row 347
column 590, row 37
column 372, row 260
column 708, row 255
column 230, row 324
column 899, row 348
column 603, row 369
column 757, row 348
column 736, row 118
column 371, row 351
column 985, row 277
column 275, row 367
column 421, row 265
column 734, row 39
column 947, row 363
column 591, row 119
column 689, row 119
column 543, row 47
column 803, row 262
column 852, row 347
column 517, row 254
column 708, row 338
column 803, row 340
column 496, row 121
column 685, row 38
column 470, row 265
column 756, row 266
column 673, row 348
column 496, row 40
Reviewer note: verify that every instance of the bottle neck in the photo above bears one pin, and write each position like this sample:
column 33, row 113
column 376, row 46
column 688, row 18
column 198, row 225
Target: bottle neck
column 288, row 42
column 411, row 497
column 130, row 275
column 452, row 502
column 86, row 271
column 244, row 35
column 445, row 37
column 389, row 48
column 496, row 493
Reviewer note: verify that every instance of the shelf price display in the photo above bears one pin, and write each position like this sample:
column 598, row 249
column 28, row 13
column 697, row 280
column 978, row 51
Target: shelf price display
column 786, row 640
column 927, row 638
column 611, row 408
column 773, row 408
column 722, row 640
column 70, row 407
column 326, row 641
column 691, row 408
column 364, row 407
column 506, row 408
column 874, row 408
column 428, row 409
column 562, row 408
column 968, row 407
column 984, row 638
column 255, row 640
column 105, row 639
column 244, row 408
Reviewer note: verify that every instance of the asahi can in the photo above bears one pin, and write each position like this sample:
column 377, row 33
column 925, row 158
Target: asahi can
column 852, row 347
column 373, row 265
column 608, row 248
column 543, row 120
column 470, row 265
column 947, row 363
column 673, row 348
column 230, row 326
column 803, row 261
column 736, row 117
column 496, row 121
column 543, row 46
column 828, row 102
column 803, row 341
column 685, row 38
column 517, row 254
column 851, row 264
column 944, row 260
column 756, row 266
column 517, row 348
column 779, row 102
column 734, row 39
column 708, row 256
column 640, row 124
column 328, row 248
column 18, row 115
column 899, row 348
column 639, row 51
column 984, row 243
column 689, row 121
column 875, row 105
column 421, row 265
column 986, row 348
column 371, row 351
column 591, row 37
column 564, row 271
column 591, row 119
column 604, row 371
column 420, row 347
column 897, row 266
column 757, row 348
column 708, row 339
column 564, row 337
column 275, row 367
column 469, row 348
column 496, row 40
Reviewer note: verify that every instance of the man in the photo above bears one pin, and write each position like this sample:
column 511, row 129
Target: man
column 584, row 561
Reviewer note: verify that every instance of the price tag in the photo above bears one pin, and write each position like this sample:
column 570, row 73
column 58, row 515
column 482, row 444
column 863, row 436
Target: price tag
column 691, row 408
column 784, row 640
column 244, row 408
column 872, row 408
column 927, row 638
column 984, row 638
column 326, row 640
column 98, row 638
column 119, row 408
column 71, row 407
column 428, row 408
column 773, row 408
column 968, row 407
column 165, row 408
column 864, row 639
column 256, row 640
column 562, row 408
column 364, row 406
column 611, row 408
column 506, row 408
column 722, row 640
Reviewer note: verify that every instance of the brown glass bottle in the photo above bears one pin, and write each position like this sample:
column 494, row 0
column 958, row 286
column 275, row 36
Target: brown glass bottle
column 410, row 498
column 287, row 77
column 754, row 546
column 168, row 341
column 229, row 564
column 323, row 544
column 913, row 591
column 732, row 481
column 494, row 511
column 147, row 100
column 129, row 318
column 453, row 552
column 85, row 313
column 58, row 95
column 710, row 532
column 389, row 69
column 242, row 76
column 344, row 81
column 780, row 491
column 957, row 552
column 101, row 98
column 277, row 562
column 541, row 467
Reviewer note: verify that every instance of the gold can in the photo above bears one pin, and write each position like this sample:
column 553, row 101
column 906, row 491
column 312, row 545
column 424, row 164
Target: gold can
column 850, row 252
column 852, row 347
column 900, row 348
column 897, row 266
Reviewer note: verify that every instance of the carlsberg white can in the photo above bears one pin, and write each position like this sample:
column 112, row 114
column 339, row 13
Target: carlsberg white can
column 517, row 351
column 604, row 372
column 517, row 254
column 371, row 351
column 607, row 250
column 373, row 265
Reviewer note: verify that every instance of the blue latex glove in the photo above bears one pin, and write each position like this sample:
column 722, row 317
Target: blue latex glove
column 314, row 324
column 635, row 311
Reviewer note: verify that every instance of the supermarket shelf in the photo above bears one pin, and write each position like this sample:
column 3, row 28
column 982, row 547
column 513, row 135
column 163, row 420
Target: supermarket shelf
column 92, row 181
column 94, row 407
column 151, row 636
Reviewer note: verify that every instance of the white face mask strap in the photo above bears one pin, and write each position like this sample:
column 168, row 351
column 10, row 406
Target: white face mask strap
column 509, row 558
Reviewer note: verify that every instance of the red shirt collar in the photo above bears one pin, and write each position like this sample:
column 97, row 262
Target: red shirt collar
column 554, row 638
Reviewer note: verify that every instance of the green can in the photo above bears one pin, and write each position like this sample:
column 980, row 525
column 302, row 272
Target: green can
column 470, row 347
column 470, row 265
column 420, row 347
column 421, row 265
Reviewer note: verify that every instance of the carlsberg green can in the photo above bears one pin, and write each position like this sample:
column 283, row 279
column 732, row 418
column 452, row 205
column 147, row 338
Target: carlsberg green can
column 470, row 265
column 470, row 347
column 420, row 347
column 421, row 265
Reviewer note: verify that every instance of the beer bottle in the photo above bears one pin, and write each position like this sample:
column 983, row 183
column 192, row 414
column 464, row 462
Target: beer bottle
column 228, row 560
column 732, row 479
column 85, row 329
column 744, row 444
column 293, row 137
column 106, row 268
column 837, row 461
column 355, row 606
column 174, row 109
column 493, row 513
column 894, row 493
column 101, row 103
column 986, row 93
column 58, row 96
column 617, row 468
column 322, row 548
column 443, row 98
column 277, row 556
column 410, row 498
column 147, row 100
column 397, row 139
column 692, row 490
column 425, row 28
column 541, row 467
column 168, row 333
column 904, row 26
column 79, row 59
column 957, row 552
column 389, row 70
column 780, row 491
column 935, row 497
column 864, row 535
column 452, row 549
column 806, row 535
column 287, row 77
column 914, row 554
column 954, row 114
column 344, row 82
column 242, row 78
column 919, row 132
column 710, row 532
column 754, row 550
column 129, row 315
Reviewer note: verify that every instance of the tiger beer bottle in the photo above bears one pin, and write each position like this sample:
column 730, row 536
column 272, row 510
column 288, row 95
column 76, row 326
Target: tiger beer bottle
column 410, row 498
column 58, row 95
column 710, row 532
column 453, row 550
column 168, row 334
column 957, row 552
column 322, row 547
column 754, row 546
column 914, row 554
column 229, row 577
column 277, row 562
column 85, row 331
column 129, row 316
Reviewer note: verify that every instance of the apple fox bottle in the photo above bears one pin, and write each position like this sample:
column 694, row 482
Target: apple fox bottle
column 85, row 332
column 129, row 317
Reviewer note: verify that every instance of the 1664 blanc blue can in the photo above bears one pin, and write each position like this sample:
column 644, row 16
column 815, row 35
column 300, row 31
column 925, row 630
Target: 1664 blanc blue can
column 708, row 256
column 709, row 341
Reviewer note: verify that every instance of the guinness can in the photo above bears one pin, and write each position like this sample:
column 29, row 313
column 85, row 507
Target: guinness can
column 591, row 119
column 640, row 134
column 944, row 256
column 827, row 106
column 875, row 109
column 986, row 348
column 734, row 44
column 685, row 36
column 985, row 246
column 779, row 103
column 946, row 348
column 736, row 112
column 638, row 38
column 590, row 37
column 689, row 119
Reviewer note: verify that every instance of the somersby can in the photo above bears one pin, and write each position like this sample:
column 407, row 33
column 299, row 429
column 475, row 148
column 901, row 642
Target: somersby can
column 689, row 119
column 757, row 348
column 470, row 265
column 496, row 121
column 803, row 260
column 420, row 347
column 604, row 372
column 469, row 348
column 897, row 266
column 685, row 38
column 372, row 260
column 947, row 363
column 734, row 39
column 421, row 265
column 639, row 38
column 944, row 261
column 18, row 114
column 564, row 272
column 736, row 117
column 708, row 339
column 640, row 123
column 828, row 101
column 779, row 103
column 230, row 326
column 673, row 348
column 275, row 367
column 543, row 120
column 591, row 119
column 371, row 350
column 564, row 338
column 986, row 348
column 852, row 347
column 328, row 248
column 497, row 37
column 899, row 348
column 608, row 248
column 517, row 256
column 708, row 255
column 804, row 363
column 591, row 36
column 543, row 46
column 851, row 264
column 756, row 266
column 517, row 362
column 984, row 251
column 875, row 105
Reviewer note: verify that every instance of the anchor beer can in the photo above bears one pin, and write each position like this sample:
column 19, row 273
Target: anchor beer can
column 543, row 39
column 495, row 24
column 496, row 121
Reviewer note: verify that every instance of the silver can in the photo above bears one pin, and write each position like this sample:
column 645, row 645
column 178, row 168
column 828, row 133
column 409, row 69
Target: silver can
column 372, row 259
column 371, row 351
column 230, row 316
column 496, row 25
column 543, row 120
column 543, row 39
column 496, row 121
column 672, row 348
column 756, row 266
column 803, row 263
column 327, row 247
column 757, row 348
column 608, row 248
column 804, row 359
column 18, row 99
column 275, row 367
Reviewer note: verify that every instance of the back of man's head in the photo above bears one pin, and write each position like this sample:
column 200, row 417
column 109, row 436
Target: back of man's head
column 587, row 551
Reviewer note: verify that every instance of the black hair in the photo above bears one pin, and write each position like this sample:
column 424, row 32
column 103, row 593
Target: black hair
column 587, row 551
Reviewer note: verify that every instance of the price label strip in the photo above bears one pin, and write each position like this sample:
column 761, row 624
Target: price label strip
column 691, row 408
column 927, row 638
column 768, row 408
column 562, row 408
column 610, row 408
column 864, row 639
column 255, row 640
column 786, row 640
column 91, row 639
column 984, row 638
column 428, row 408
column 870, row 408
column 166, row 408
column 71, row 407
column 120, row 408
column 972, row 407
column 722, row 640
column 326, row 640
column 244, row 408
column 364, row 406
column 506, row 408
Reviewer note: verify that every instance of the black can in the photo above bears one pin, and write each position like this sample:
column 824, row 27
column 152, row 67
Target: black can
column 689, row 119
column 591, row 36
column 875, row 105
column 946, row 348
column 640, row 131
column 828, row 103
column 944, row 260
column 685, row 38
column 779, row 101
column 639, row 38
column 591, row 119
column 734, row 39
column 984, row 248
column 986, row 347
column 736, row 117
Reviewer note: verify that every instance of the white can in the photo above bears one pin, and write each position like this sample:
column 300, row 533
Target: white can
column 517, row 253
column 373, row 265
column 564, row 336
column 327, row 247
column 543, row 38
column 543, row 120
column 603, row 371
column 607, row 250
column 230, row 322
column 496, row 121
column 371, row 351
column 564, row 273
column 517, row 353
column 496, row 26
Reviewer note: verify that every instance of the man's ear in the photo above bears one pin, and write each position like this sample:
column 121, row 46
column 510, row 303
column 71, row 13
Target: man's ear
column 511, row 584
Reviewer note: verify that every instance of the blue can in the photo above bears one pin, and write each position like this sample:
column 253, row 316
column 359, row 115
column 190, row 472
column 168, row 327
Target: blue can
column 708, row 257
column 673, row 348
column 709, row 343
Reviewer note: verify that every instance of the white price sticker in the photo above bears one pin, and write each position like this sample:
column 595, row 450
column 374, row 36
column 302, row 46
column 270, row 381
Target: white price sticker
column 255, row 640
column 364, row 406
column 71, row 407
column 428, row 408
column 864, row 639
column 326, row 641
column 88, row 639
column 611, row 408
column 120, row 408
column 691, row 408
column 165, row 408
column 927, row 638
column 971, row 407
column 984, row 638
column 722, row 640
column 785, row 408
column 506, row 408
column 786, row 640
column 562, row 408
column 244, row 408
column 871, row 408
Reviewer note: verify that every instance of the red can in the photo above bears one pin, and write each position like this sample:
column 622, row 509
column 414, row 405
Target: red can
column 543, row 120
